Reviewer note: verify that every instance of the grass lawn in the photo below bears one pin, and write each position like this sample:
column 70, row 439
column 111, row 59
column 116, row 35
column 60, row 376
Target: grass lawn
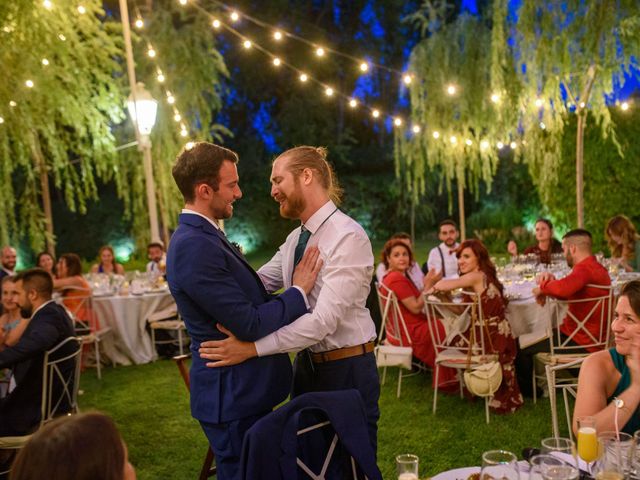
column 151, row 407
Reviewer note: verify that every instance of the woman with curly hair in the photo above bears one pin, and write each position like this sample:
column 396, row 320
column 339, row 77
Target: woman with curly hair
column 478, row 274
column 624, row 242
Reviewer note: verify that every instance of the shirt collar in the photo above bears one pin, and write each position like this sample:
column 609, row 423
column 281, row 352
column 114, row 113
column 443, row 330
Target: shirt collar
column 318, row 218
column 193, row 212
column 9, row 272
column 40, row 308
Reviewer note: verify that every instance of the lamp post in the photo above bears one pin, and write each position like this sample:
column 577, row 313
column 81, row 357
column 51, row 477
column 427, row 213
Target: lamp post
column 143, row 108
column 143, row 112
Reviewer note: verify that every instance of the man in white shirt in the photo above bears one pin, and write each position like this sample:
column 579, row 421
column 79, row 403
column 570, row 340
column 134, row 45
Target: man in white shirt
column 414, row 272
column 157, row 259
column 337, row 336
column 443, row 258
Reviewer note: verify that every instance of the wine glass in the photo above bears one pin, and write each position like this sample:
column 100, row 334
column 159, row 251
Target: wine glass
column 615, row 461
column 548, row 467
column 588, row 448
column 499, row 465
column 563, row 448
column 407, row 466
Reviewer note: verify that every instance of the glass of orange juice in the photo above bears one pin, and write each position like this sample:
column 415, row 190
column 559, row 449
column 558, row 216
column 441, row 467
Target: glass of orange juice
column 588, row 439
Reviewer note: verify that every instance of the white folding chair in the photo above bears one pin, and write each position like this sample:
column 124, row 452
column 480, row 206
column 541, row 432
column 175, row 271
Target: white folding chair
column 568, row 388
column 458, row 315
column 58, row 391
column 600, row 313
column 399, row 353
column 79, row 305
column 169, row 320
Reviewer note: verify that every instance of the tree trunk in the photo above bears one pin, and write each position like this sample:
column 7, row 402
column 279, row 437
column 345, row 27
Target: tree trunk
column 463, row 228
column 38, row 159
column 580, row 167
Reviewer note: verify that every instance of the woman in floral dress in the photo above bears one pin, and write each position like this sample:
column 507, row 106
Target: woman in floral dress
column 478, row 274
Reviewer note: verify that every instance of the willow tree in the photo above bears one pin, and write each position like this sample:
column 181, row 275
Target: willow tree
column 451, row 100
column 573, row 54
column 192, row 72
column 58, row 101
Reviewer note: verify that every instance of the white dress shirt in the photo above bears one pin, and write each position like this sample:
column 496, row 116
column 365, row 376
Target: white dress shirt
column 450, row 260
column 414, row 273
column 339, row 317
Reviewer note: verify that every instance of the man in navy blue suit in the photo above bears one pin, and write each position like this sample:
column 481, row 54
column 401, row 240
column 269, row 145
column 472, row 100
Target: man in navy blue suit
column 213, row 284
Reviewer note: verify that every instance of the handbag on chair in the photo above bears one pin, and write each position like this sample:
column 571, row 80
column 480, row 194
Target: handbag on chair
column 485, row 378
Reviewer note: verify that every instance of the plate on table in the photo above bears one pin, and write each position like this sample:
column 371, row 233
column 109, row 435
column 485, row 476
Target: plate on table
column 464, row 472
column 102, row 294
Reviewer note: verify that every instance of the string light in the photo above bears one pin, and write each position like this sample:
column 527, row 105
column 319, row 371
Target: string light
column 364, row 66
column 47, row 4
column 1, row 120
column 247, row 44
column 184, row 133
column 12, row 103
column 397, row 121
column 189, row 145
column 353, row 103
column 624, row 106
column 416, row 129
column 542, row 125
column 329, row 92
column 170, row 98
column 234, row 16
column 320, row 52
column 451, row 89
column 29, row 83
column 303, row 77
column 484, row 145
column 277, row 62
column 436, row 134
column 582, row 105
column 453, row 139
column 495, row 98
column 160, row 77
column 277, row 35
column 183, row 2
column 45, row 62
column 468, row 142
column 407, row 79
column 139, row 23
column 513, row 145
column 81, row 10
column 151, row 52
column 62, row 37
column 539, row 102
column 177, row 117
column 500, row 145
column 216, row 24
column 375, row 113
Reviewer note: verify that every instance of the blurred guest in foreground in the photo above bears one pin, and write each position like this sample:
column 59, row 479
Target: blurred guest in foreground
column 414, row 273
column 53, row 452
column 478, row 274
column 585, row 272
column 108, row 262
column 12, row 325
column 45, row 261
column 157, row 259
column 624, row 242
column 397, row 258
column 614, row 373
column 443, row 257
column 547, row 244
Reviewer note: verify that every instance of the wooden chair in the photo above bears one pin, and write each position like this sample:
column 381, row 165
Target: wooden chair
column 208, row 469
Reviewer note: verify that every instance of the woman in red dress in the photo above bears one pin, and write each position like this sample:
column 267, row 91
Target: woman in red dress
column 398, row 258
column 478, row 274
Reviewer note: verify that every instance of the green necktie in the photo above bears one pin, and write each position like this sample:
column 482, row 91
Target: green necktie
column 300, row 247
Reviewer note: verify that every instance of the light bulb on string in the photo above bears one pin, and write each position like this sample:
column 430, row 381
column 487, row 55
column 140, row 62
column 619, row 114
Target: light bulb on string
column 47, row 4
column 436, row 134
column 160, row 77
column 320, row 52
column 375, row 113
column 277, row 35
column 45, row 62
column 177, row 117
column 451, row 89
column 397, row 121
column 539, row 102
column 277, row 61
column 81, row 10
column 353, row 103
column 484, row 144
column 543, row 126
column 407, row 79
column 29, row 83
column 495, row 98
column 12, row 103
column 328, row 92
column 364, row 66
column 216, row 24
column 184, row 133
column 582, row 105
column 151, row 52
column 513, row 145
column 416, row 129
column 468, row 142
column 235, row 16
column 624, row 106
column 170, row 99
column 189, row 145
column 500, row 145
column 182, row 2
column 139, row 23
column 1, row 120
column 303, row 77
column 62, row 37
column 247, row 44
column 453, row 139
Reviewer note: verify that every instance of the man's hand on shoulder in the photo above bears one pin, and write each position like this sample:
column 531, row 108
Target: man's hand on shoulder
column 227, row 352
column 307, row 270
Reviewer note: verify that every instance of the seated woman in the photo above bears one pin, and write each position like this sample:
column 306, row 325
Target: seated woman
column 397, row 259
column 624, row 242
column 614, row 373
column 52, row 452
column 547, row 244
column 12, row 325
column 478, row 274
column 45, row 261
column 107, row 263
column 75, row 289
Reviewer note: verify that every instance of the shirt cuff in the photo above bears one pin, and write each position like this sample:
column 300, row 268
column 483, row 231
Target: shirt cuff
column 304, row 296
column 267, row 345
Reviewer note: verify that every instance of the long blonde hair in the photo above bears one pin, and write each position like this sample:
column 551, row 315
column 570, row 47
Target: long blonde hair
column 621, row 226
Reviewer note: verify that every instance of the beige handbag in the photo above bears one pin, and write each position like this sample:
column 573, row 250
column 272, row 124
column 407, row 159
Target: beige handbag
column 484, row 379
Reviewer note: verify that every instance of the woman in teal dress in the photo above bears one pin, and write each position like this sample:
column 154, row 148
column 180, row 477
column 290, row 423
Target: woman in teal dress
column 614, row 373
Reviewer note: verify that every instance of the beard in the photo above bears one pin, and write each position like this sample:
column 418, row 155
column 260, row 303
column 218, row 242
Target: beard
column 296, row 203
column 569, row 259
column 26, row 311
column 450, row 242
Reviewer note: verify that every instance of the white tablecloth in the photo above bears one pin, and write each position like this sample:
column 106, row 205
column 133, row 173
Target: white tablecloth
column 129, row 342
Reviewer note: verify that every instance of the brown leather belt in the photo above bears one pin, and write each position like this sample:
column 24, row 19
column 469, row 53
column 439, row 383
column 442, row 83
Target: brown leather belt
column 342, row 353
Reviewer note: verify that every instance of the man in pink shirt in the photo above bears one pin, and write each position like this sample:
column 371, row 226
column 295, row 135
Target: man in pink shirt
column 585, row 270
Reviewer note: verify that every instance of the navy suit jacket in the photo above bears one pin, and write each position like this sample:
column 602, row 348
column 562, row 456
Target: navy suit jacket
column 20, row 410
column 212, row 283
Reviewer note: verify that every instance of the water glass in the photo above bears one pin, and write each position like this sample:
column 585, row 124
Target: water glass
column 615, row 461
column 634, row 464
column 499, row 465
column 563, row 448
column 407, row 466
